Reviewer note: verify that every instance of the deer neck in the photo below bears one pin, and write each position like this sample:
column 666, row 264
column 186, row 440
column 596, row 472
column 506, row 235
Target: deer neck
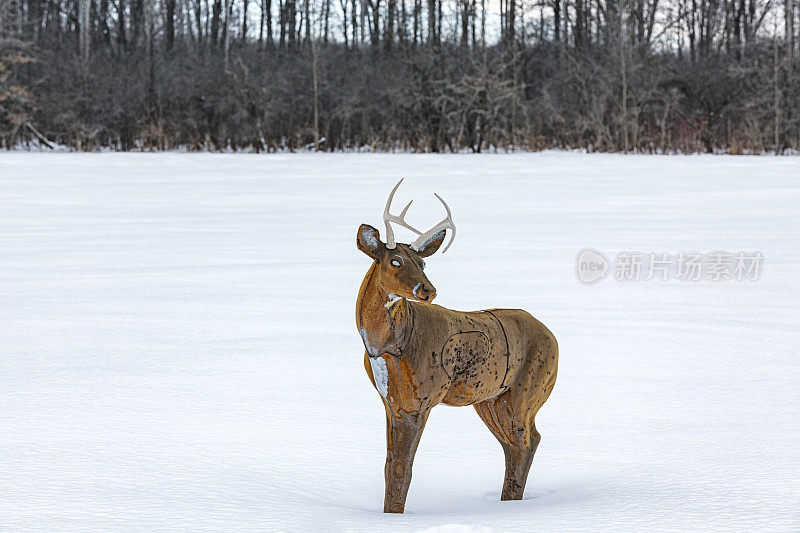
column 382, row 320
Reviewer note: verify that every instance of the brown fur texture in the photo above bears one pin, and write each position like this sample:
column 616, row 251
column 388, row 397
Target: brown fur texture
column 501, row 361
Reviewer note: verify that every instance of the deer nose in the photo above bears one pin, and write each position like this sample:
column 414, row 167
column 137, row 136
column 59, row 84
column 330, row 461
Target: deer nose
column 424, row 293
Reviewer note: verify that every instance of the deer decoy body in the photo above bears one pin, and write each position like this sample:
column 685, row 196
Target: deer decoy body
column 418, row 354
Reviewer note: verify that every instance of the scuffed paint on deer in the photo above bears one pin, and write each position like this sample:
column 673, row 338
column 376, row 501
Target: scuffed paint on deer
column 381, row 375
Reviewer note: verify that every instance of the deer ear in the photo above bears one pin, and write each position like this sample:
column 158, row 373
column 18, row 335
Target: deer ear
column 369, row 241
column 433, row 243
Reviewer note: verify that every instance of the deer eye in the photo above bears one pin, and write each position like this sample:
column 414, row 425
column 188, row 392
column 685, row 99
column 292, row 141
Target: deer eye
column 396, row 263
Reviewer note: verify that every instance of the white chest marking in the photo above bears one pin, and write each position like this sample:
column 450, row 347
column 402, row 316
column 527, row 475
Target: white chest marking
column 381, row 374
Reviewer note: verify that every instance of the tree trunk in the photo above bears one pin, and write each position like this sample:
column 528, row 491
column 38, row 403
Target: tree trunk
column 105, row 31
column 465, row 16
column 483, row 26
column 439, row 23
column 267, row 7
column 121, row 36
column 390, row 15
column 245, row 5
column 291, row 21
column 512, row 22
column 169, row 26
column 85, row 35
column 402, row 25
column 777, row 97
column 431, row 21
column 307, row 15
column 215, row 19
column 137, row 21
column 227, row 29
column 417, row 13
column 789, row 27
column 343, row 4
column 327, row 19
column 316, row 94
column 198, row 15
column 363, row 18
column 623, row 59
column 282, row 22
column 261, row 18
column 375, row 33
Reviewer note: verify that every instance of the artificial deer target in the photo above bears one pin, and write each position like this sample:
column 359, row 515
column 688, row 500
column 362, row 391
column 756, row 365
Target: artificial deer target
column 418, row 354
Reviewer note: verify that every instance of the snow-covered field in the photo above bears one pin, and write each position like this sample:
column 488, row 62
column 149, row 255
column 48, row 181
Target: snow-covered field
column 178, row 347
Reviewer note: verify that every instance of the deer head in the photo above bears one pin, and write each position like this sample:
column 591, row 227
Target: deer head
column 400, row 266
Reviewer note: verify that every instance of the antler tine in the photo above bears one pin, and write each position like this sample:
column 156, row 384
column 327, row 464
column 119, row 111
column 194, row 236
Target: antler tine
column 405, row 209
column 388, row 217
column 446, row 223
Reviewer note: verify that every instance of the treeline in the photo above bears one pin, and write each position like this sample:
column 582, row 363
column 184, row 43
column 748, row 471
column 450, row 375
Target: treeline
column 420, row 75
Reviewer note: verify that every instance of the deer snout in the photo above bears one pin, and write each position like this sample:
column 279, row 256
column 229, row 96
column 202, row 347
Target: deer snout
column 424, row 292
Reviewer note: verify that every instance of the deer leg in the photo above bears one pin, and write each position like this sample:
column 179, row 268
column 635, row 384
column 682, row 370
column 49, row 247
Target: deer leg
column 518, row 464
column 403, row 431
column 518, row 437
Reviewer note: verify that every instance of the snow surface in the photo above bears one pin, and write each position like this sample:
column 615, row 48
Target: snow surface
column 178, row 348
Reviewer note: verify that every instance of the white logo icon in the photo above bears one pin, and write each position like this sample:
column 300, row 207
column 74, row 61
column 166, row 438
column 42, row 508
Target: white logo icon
column 592, row 266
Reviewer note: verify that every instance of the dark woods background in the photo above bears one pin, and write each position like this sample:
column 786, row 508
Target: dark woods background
column 422, row 75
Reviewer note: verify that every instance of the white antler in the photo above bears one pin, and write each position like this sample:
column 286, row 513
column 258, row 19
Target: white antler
column 388, row 217
column 446, row 223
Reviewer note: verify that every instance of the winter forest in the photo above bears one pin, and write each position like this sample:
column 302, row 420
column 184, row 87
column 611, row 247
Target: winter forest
column 413, row 75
